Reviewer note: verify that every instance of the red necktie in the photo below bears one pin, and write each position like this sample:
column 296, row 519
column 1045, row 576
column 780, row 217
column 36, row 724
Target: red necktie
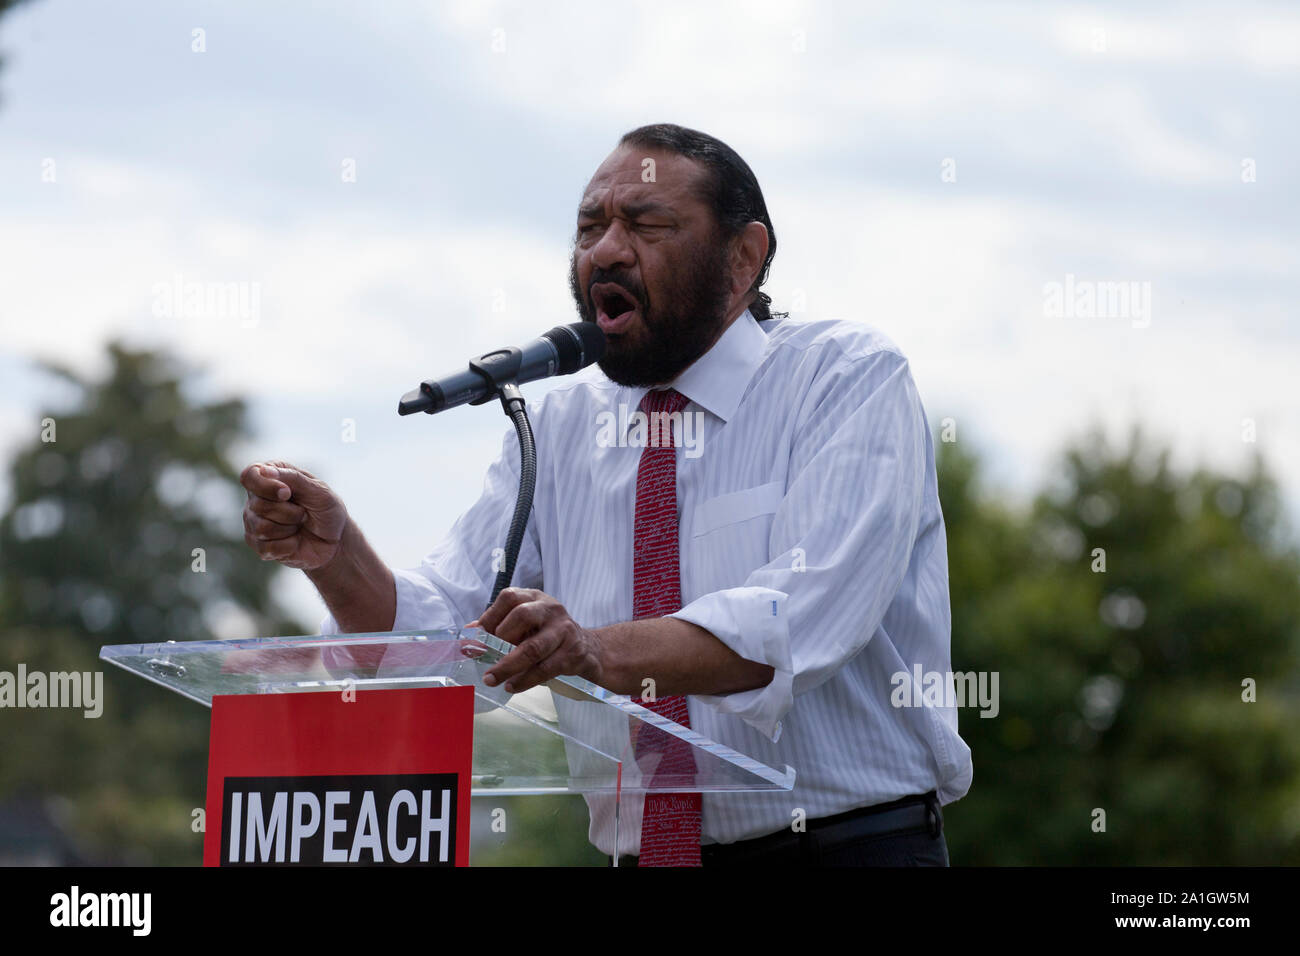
column 670, row 824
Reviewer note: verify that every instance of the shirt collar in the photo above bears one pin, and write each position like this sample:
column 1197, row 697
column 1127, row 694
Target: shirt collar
column 717, row 379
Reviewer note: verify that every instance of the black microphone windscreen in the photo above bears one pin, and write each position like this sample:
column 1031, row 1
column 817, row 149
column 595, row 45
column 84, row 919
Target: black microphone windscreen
column 578, row 345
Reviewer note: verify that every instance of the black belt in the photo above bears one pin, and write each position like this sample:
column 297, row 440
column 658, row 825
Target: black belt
column 916, row 814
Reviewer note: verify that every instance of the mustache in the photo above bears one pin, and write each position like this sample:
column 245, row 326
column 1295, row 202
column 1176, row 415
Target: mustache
column 618, row 277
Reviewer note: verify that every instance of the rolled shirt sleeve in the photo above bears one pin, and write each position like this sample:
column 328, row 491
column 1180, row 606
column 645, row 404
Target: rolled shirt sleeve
column 841, row 538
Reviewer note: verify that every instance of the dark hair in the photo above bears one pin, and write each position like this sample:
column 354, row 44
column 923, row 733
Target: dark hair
column 730, row 187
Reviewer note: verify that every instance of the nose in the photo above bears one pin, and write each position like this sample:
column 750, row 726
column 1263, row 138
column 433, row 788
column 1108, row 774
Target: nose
column 613, row 248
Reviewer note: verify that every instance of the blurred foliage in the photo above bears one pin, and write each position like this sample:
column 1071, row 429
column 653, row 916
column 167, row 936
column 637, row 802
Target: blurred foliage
column 5, row 7
column 1118, row 689
column 98, row 548
column 540, row 830
column 1123, row 689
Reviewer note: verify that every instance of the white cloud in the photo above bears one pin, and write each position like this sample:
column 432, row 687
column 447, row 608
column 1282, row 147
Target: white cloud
column 1068, row 161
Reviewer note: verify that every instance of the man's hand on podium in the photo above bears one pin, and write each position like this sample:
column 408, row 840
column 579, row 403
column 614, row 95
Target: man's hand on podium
column 549, row 642
column 291, row 515
column 662, row 656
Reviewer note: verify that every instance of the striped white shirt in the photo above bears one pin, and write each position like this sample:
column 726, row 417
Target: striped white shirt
column 811, row 540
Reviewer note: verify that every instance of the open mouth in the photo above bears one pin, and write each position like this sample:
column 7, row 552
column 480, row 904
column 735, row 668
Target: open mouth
column 614, row 305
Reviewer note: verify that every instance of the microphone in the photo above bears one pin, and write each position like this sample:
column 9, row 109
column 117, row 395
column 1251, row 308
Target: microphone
column 563, row 350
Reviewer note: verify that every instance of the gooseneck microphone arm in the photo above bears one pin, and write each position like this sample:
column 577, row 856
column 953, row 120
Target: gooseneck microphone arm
column 516, row 409
column 498, row 369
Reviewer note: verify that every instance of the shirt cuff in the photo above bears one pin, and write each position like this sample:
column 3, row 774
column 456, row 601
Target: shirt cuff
column 420, row 606
column 752, row 622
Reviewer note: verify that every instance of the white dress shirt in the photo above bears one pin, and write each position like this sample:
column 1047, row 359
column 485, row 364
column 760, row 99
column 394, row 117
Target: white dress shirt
column 811, row 540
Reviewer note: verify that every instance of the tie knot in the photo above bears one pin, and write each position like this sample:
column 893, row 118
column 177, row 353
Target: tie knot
column 667, row 400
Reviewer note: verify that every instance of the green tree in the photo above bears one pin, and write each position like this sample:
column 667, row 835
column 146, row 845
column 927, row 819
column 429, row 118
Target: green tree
column 1122, row 690
column 124, row 528
column 5, row 7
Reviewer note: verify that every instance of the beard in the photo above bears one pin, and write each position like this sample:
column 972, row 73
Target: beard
column 675, row 330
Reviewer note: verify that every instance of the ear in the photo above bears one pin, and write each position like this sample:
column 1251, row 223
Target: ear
column 748, row 251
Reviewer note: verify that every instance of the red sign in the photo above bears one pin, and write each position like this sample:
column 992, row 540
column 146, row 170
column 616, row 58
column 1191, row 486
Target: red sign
column 378, row 777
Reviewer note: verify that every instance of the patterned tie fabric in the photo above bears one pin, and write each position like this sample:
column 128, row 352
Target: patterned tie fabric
column 670, row 823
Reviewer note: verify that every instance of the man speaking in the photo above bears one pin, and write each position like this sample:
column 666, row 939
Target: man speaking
column 771, row 560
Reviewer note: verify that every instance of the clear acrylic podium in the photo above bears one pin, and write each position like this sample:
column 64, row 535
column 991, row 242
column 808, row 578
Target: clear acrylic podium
column 569, row 737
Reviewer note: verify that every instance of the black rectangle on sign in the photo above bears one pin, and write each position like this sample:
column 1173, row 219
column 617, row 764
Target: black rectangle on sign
column 340, row 820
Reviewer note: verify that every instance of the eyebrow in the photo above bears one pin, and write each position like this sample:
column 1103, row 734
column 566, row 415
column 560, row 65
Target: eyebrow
column 631, row 210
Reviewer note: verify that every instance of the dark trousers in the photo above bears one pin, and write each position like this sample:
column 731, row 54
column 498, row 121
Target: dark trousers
column 906, row 832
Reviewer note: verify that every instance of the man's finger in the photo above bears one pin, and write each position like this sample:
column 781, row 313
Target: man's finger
column 266, row 550
column 277, row 550
column 282, row 512
column 263, row 481
column 311, row 493
column 523, row 658
column 506, row 601
column 265, row 530
column 289, row 466
column 539, row 673
column 523, row 621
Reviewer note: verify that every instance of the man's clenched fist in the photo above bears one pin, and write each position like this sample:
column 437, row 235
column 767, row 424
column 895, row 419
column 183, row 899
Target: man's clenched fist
column 291, row 516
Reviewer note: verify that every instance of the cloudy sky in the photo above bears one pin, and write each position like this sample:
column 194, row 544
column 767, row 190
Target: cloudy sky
column 393, row 185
